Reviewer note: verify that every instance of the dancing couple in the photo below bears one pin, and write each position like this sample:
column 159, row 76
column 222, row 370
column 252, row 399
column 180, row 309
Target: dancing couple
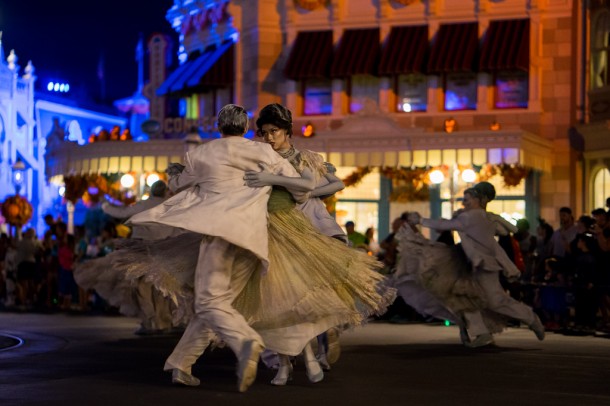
column 251, row 268
column 462, row 285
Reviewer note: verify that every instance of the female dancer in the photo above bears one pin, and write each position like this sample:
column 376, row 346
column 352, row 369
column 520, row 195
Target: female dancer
column 476, row 230
column 274, row 125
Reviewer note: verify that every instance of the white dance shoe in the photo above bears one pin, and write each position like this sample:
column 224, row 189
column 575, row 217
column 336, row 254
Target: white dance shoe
column 180, row 377
column 537, row 328
column 314, row 370
column 248, row 365
column 284, row 372
column 481, row 341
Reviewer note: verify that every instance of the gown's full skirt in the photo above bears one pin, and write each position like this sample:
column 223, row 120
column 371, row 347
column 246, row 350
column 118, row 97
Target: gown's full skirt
column 314, row 282
column 437, row 280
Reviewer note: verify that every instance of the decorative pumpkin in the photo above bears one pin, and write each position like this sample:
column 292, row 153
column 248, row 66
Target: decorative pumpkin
column 17, row 210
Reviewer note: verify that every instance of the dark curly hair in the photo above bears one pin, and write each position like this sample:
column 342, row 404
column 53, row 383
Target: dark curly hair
column 275, row 114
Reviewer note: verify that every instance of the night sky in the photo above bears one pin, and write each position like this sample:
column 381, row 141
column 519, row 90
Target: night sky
column 65, row 39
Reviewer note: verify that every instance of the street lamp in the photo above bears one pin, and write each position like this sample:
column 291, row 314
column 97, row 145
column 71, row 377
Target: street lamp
column 18, row 169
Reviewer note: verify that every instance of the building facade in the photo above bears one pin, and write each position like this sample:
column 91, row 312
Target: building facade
column 394, row 89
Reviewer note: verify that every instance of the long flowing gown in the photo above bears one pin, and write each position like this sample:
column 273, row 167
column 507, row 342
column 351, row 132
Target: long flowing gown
column 314, row 282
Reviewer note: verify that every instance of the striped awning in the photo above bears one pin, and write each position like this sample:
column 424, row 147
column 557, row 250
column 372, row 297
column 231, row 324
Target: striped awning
column 310, row 56
column 405, row 51
column 506, row 46
column 113, row 157
column 454, row 48
column 357, row 53
column 215, row 67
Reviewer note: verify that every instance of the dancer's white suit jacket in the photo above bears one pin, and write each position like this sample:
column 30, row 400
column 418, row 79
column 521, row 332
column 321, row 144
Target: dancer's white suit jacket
column 214, row 199
column 477, row 229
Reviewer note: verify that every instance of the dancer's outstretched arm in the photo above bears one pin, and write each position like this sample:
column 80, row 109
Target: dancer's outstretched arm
column 305, row 183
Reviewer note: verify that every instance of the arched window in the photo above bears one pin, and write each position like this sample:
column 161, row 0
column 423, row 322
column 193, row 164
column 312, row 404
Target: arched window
column 600, row 34
column 601, row 188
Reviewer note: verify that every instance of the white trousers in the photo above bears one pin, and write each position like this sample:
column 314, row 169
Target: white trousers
column 497, row 301
column 217, row 282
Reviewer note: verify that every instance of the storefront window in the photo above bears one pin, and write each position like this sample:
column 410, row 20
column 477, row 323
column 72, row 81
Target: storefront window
column 359, row 203
column 599, row 49
column 363, row 89
column 601, row 188
column 509, row 202
column 412, row 93
column 317, row 97
column 511, row 90
column 460, row 91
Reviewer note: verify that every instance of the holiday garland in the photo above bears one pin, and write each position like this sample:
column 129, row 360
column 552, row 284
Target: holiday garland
column 90, row 188
column 412, row 184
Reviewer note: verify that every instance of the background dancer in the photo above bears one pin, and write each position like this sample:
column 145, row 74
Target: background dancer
column 487, row 259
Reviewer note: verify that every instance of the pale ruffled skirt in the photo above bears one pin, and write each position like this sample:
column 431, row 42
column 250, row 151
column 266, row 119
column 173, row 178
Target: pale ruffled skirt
column 436, row 280
column 314, row 282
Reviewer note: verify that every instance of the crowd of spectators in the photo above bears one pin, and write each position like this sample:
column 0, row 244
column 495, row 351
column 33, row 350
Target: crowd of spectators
column 565, row 272
column 37, row 273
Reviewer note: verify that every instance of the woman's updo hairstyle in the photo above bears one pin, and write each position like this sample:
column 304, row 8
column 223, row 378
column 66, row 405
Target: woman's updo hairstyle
column 277, row 115
column 486, row 191
column 473, row 192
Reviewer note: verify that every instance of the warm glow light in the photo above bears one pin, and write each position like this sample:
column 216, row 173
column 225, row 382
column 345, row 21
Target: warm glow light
column 308, row 130
column 436, row 177
column 450, row 125
column 468, row 175
column 406, row 107
column 152, row 178
column 127, row 181
column 145, row 196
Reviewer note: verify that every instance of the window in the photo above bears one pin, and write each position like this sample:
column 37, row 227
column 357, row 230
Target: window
column 411, row 93
column 509, row 201
column 317, row 97
column 359, row 203
column 599, row 49
column 363, row 89
column 511, row 90
column 460, row 91
column 601, row 188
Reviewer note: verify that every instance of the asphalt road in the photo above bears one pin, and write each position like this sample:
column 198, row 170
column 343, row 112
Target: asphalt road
column 94, row 360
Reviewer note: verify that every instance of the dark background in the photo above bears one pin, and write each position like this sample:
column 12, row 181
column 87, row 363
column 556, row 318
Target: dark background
column 79, row 41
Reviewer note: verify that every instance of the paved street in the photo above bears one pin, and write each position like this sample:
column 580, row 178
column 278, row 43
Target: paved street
column 97, row 360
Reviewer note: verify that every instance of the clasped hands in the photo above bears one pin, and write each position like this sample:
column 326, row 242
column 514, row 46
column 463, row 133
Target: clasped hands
column 259, row 179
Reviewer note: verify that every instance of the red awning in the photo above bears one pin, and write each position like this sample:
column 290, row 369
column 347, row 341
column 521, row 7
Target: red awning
column 357, row 53
column 506, row 46
column 405, row 51
column 454, row 48
column 310, row 56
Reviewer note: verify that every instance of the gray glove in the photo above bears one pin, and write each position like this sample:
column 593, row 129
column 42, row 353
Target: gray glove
column 174, row 168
